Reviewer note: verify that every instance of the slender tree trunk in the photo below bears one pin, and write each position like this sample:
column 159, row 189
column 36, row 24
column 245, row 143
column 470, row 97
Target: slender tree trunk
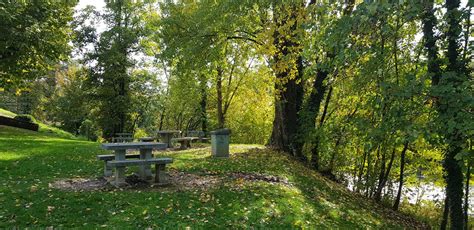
column 444, row 219
column 466, row 196
column 220, row 111
column 334, row 153
column 162, row 117
column 314, row 103
column 402, row 171
column 203, row 103
column 384, row 179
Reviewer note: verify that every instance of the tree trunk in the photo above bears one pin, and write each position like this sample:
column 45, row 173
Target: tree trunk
column 288, row 87
column 429, row 22
column 203, row 103
column 162, row 117
column 454, row 139
column 384, row 179
column 454, row 181
column 312, row 109
column 466, row 196
column 454, row 177
column 444, row 219
column 220, row 111
column 402, row 171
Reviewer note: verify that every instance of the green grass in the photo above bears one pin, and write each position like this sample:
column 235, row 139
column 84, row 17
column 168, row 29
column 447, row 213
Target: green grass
column 29, row 161
column 6, row 113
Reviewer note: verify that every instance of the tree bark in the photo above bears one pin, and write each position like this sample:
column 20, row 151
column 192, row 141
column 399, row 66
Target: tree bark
column 400, row 183
column 454, row 177
column 384, row 179
column 466, row 196
column 314, row 103
column 288, row 87
column 454, row 139
column 203, row 103
column 220, row 111
column 444, row 219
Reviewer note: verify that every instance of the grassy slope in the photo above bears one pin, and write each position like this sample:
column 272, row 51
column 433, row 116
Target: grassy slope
column 43, row 128
column 7, row 113
column 29, row 161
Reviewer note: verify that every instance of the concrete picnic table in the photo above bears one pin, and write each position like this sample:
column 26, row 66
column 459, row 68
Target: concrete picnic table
column 167, row 135
column 120, row 150
column 123, row 137
column 147, row 139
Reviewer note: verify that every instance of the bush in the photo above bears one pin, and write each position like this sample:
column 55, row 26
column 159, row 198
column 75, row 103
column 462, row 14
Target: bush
column 89, row 130
column 25, row 118
column 139, row 133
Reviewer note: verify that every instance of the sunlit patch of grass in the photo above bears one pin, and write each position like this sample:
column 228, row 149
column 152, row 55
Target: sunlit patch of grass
column 6, row 113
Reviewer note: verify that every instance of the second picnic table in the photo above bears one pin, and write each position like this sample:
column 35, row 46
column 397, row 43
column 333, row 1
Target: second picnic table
column 167, row 135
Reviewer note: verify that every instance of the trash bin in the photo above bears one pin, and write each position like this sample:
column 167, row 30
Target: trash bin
column 220, row 142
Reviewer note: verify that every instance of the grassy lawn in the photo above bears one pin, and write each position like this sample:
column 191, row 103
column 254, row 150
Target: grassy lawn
column 29, row 161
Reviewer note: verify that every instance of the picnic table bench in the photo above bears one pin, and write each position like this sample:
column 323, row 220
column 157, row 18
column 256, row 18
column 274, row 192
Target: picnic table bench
column 145, row 160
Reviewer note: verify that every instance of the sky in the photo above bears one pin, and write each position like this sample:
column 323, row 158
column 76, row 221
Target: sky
column 99, row 4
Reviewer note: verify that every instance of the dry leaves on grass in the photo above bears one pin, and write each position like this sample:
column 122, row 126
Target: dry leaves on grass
column 79, row 184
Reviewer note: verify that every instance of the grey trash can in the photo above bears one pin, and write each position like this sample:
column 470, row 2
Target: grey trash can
column 220, row 142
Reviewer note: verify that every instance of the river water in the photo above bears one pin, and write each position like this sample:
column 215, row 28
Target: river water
column 424, row 191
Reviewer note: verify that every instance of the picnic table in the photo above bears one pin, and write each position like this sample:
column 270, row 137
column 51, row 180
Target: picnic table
column 144, row 162
column 123, row 137
column 147, row 139
column 167, row 135
column 185, row 141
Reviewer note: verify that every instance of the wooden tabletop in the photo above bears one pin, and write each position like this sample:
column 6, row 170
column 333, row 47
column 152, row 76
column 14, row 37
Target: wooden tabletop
column 134, row 145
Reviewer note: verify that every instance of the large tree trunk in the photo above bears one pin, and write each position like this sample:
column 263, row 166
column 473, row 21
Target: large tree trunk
column 454, row 176
column 288, row 87
column 454, row 181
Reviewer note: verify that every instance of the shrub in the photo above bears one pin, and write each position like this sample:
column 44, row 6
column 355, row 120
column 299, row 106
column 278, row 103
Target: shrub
column 139, row 133
column 25, row 118
column 89, row 130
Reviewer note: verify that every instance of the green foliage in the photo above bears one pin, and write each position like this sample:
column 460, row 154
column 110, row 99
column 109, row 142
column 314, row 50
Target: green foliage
column 35, row 36
column 89, row 130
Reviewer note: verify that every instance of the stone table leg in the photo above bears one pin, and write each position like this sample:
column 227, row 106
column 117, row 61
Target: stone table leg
column 145, row 170
column 120, row 170
column 168, row 140
column 107, row 170
column 161, row 177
